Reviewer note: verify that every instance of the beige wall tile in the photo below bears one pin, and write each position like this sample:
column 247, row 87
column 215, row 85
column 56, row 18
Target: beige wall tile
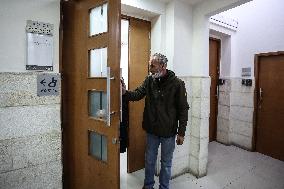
column 242, row 99
column 194, row 165
column 226, row 87
column 241, row 113
column 205, row 108
column 18, row 89
column 30, row 151
column 196, row 87
column 204, row 128
column 236, row 86
column 47, row 175
column 29, row 120
column 203, row 167
column 180, row 166
column 224, row 98
column 196, row 107
column 242, row 127
column 241, row 140
column 205, row 87
column 199, row 127
column 223, row 125
column 224, row 111
column 194, row 148
column 203, row 154
column 223, row 137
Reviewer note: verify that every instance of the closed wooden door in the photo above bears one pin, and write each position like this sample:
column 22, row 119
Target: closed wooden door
column 214, row 59
column 139, row 55
column 270, row 104
column 91, row 93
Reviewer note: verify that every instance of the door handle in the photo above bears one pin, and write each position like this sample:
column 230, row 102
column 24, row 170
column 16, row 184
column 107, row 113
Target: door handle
column 109, row 113
column 260, row 97
column 120, row 107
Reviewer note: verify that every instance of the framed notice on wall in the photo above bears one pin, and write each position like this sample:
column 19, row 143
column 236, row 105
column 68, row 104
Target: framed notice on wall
column 39, row 46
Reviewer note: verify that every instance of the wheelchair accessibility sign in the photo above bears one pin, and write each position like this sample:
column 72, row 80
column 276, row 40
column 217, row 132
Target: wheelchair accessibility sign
column 48, row 85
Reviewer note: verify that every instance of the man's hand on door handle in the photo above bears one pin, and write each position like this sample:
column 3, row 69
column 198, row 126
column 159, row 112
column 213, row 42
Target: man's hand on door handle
column 123, row 87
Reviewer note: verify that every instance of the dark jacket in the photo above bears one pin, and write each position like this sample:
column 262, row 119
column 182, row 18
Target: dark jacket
column 166, row 108
column 124, row 125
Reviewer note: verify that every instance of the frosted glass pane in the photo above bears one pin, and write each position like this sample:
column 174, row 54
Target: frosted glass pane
column 104, row 148
column 98, row 146
column 98, row 63
column 95, row 145
column 98, row 20
column 98, row 104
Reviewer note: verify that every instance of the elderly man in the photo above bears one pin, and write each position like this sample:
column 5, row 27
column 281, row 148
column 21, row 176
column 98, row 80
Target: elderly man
column 164, row 118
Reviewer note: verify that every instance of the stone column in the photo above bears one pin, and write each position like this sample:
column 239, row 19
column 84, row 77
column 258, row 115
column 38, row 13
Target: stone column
column 199, row 130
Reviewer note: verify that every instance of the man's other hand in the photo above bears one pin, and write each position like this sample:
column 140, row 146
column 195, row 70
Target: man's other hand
column 123, row 86
column 179, row 140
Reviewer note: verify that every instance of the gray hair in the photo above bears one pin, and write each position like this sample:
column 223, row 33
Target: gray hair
column 162, row 59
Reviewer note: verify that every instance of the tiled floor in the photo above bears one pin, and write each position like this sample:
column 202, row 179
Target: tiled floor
column 229, row 167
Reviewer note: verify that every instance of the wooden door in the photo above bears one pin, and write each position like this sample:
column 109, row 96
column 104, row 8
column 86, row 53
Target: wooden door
column 139, row 55
column 269, row 70
column 91, row 93
column 214, row 61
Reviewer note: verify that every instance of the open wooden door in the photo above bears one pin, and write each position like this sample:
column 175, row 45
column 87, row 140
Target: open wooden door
column 139, row 54
column 91, row 93
column 214, row 61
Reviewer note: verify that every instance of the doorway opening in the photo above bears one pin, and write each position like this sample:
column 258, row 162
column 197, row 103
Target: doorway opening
column 124, row 75
column 135, row 54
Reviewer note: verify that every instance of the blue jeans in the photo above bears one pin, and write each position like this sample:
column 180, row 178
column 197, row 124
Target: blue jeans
column 167, row 149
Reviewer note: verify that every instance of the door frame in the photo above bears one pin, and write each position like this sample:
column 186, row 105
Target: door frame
column 256, row 91
column 217, row 84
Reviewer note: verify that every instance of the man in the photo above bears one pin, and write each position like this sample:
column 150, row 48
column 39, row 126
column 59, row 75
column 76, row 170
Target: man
column 164, row 118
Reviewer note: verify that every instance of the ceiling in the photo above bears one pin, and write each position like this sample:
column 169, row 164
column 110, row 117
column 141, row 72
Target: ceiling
column 192, row 2
column 147, row 15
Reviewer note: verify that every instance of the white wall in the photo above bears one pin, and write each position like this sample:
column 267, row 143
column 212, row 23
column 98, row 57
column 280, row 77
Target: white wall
column 225, row 64
column 170, row 22
column 200, row 44
column 13, row 17
column 182, row 38
column 260, row 30
column 158, row 24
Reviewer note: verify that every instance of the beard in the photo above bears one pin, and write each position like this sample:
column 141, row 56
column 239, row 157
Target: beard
column 157, row 75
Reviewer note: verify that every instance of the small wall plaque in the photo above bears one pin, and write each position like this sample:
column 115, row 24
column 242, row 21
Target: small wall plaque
column 39, row 27
column 246, row 72
column 48, row 85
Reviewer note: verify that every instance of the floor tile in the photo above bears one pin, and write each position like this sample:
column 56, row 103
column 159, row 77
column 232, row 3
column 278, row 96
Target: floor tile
column 229, row 167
